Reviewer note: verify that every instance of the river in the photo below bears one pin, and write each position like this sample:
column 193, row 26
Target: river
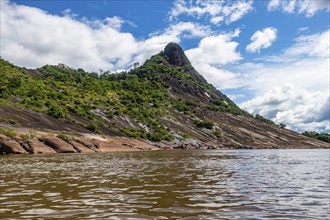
column 186, row 184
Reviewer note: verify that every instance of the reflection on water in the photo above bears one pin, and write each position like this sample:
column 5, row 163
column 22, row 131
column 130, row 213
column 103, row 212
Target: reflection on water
column 238, row 184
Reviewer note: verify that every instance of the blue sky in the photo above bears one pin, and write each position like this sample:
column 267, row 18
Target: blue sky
column 270, row 57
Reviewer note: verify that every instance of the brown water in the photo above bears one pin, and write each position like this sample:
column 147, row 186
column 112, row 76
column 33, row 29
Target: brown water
column 238, row 184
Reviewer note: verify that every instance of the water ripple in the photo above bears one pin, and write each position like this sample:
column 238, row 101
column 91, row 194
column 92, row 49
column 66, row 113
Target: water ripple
column 238, row 184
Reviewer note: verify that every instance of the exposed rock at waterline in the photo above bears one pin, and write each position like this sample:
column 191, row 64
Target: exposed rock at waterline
column 9, row 146
column 37, row 147
column 59, row 145
column 80, row 148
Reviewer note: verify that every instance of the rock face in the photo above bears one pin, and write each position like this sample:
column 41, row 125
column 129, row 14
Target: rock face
column 122, row 144
column 37, row 147
column 80, row 147
column 42, row 144
column 8, row 146
column 136, row 144
column 58, row 145
column 176, row 55
column 105, row 146
column 87, row 142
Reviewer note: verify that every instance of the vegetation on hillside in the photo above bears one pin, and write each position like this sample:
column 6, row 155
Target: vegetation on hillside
column 11, row 133
column 204, row 124
column 142, row 94
column 223, row 106
column 260, row 118
column 318, row 136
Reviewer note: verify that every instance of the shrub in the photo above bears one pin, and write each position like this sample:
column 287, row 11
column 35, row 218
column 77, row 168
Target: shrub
column 11, row 133
column 154, row 136
column 92, row 127
column 191, row 103
column 133, row 133
column 9, row 121
column 322, row 137
column 109, row 114
column 185, row 136
column 208, row 124
column 12, row 121
column 260, row 118
column 169, row 137
column 158, row 131
column 218, row 134
column 26, row 137
column 64, row 137
column 204, row 124
column 223, row 106
column 181, row 106
column 56, row 112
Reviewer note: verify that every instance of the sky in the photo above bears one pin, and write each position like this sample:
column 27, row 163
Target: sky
column 269, row 57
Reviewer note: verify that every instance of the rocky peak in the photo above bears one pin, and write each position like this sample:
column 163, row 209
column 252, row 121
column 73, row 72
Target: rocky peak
column 176, row 55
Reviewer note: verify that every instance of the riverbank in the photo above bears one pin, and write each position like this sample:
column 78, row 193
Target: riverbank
column 31, row 141
column 27, row 141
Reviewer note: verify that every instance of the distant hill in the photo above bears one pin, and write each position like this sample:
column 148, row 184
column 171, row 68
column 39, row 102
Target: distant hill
column 164, row 101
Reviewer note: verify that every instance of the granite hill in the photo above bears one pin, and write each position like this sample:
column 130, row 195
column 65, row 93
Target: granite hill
column 164, row 103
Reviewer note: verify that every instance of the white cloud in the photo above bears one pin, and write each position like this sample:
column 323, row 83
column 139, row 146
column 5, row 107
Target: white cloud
column 217, row 19
column 173, row 33
column 213, row 50
column 196, row 9
column 115, row 22
column 220, row 77
column 69, row 13
column 311, row 7
column 316, row 45
column 262, row 39
column 292, row 87
column 216, row 11
column 212, row 53
column 310, row 74
column 273, row 4
column 237, row 10
column 303, row 29
column 289, row 6
column 306, row 7
column 305, row 65
column 299, row 109
column 188, row 30
column 32, row 38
